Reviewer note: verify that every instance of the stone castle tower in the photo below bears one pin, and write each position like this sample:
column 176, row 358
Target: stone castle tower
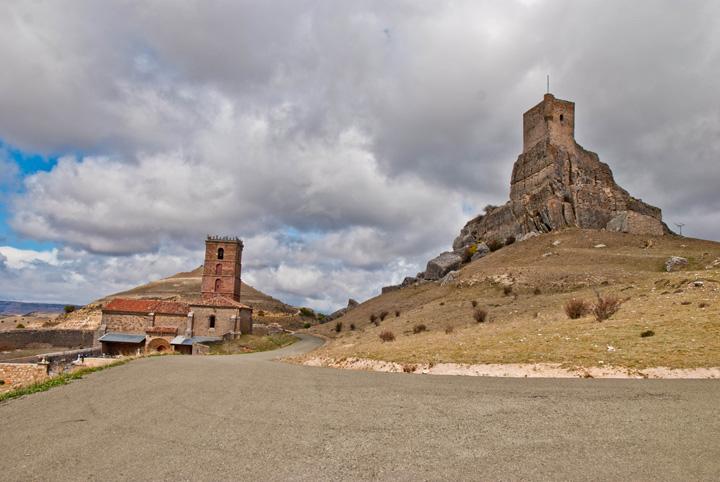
column 222, row 267
column 557, row 184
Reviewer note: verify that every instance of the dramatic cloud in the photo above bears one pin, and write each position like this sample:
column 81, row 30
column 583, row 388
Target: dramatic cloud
column 346, row 142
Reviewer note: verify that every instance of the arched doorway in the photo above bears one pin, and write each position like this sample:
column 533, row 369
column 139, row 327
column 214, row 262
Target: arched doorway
column 158, row 345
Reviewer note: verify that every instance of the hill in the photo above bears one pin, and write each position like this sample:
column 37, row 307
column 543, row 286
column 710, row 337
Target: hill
column 184, row 287
column 524, row 288
column 22, row 308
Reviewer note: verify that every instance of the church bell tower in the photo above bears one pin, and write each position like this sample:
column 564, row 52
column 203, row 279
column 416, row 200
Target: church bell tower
column 221, row 270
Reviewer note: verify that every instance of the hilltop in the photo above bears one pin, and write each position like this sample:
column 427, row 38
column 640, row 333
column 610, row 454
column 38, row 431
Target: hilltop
column 184, row 287
column 524, row 287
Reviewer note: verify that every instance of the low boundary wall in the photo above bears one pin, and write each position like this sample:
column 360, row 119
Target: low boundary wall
column 16, row 339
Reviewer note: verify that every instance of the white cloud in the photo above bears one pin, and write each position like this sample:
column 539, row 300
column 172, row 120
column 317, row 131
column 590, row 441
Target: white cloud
column 341, row 141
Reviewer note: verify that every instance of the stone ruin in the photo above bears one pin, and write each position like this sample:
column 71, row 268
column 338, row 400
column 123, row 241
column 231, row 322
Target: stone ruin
column 555, row 184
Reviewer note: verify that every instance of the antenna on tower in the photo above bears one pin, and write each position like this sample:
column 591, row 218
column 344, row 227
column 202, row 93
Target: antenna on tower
column 548, row 83
column 680, row 226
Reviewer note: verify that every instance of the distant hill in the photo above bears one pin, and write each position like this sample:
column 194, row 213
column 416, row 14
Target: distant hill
column 9, row 308
column 184, row 287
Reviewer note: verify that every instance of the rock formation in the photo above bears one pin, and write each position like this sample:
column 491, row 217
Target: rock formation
column 557, row 184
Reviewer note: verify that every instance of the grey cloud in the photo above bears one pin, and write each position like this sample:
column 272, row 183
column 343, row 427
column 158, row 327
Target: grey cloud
column 266, row 118
column 3, row 262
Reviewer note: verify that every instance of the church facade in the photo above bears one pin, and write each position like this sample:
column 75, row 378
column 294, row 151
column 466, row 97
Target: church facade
column 136, row 326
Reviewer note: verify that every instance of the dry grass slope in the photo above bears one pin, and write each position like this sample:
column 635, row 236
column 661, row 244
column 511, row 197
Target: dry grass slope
column 529, row 325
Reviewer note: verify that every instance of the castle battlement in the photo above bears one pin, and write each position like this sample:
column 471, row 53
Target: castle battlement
column 223, row 239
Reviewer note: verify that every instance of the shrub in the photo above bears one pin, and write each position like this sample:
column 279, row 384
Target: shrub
column 495, row 244
column 442, row 303
column 419, row 328
column 606, row 307
column 703, row 305
column 387, row 335
column 69, row 308
column 352, row 326
column 537, row 291
column 507, row 289
column 383, row 315
column 509, row 240
column 449, row 329
column 307, row 313
column 575, row 308
column 647, row 333
column 480, row 315
column 474, row 303
column 374, row 319
column 338, row 326
column 397, row 313
column 307, row 325
column 468, row 253
column 20, row 326
column 2, row 382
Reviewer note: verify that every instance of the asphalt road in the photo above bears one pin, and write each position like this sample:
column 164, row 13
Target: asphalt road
column 247, row 417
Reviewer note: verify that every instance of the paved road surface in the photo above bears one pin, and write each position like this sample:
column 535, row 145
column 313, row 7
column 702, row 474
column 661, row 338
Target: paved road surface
column 247, row 418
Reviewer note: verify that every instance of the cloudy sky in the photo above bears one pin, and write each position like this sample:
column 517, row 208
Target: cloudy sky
column 345, row 142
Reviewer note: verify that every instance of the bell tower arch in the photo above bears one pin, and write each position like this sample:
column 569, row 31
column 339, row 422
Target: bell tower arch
column 222, row 267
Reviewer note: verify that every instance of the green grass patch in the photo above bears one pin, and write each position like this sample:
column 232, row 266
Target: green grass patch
column 56, row 381
column 252, row 344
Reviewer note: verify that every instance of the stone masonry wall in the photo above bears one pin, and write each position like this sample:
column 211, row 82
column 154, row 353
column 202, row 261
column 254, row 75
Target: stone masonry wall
column 16, row 339
column 223, row 320
column 19, row 374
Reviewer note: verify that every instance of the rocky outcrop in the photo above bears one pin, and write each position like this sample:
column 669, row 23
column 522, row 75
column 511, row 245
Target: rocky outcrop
column 442, row 265
column 557, row 184
column 337, row 314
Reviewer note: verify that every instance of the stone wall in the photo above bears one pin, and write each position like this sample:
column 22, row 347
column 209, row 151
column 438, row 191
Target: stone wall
column 126, row 322
column 224, row 321
column 19, row 374
column 16, row 339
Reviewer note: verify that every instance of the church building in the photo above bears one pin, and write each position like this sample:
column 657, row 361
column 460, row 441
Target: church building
column 136, row 326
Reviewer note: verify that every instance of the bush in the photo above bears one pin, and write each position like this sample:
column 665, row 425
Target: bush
column 480, row 315
column 507, row 290
column 606, row 307
column 575, row 308
column 307, row 325
column 69, row 308
column 383, row 315
column 397, row 313
column 307, row 313
column 387, row 335
column 537, row 291
column 338, row 326
column 509, row 240
column 449, row 329
column 647, row 333
column 261, row 313
column 468, row 253
column 352, row 326
column 495, row 244
column 2, row 382
column 20, row 326
column 419, row 328
column 474, row 303
column 374, row 319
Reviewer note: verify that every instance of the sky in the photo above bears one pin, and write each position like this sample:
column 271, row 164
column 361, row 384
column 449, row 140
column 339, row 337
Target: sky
column 346, row 142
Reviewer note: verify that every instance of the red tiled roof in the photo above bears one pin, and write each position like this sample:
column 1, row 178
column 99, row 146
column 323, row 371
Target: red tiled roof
column 220, row 301
column 125, row 305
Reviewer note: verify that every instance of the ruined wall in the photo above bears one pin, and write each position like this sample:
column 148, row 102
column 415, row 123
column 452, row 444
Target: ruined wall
column 224, row 322
column 16, row 339
column 19, row 374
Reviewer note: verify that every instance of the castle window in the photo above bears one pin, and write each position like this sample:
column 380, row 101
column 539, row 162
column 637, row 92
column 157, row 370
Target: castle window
column 218, row 269
column 211, row 321
column 218, row 284
column 561, row 117
column 221, row 253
